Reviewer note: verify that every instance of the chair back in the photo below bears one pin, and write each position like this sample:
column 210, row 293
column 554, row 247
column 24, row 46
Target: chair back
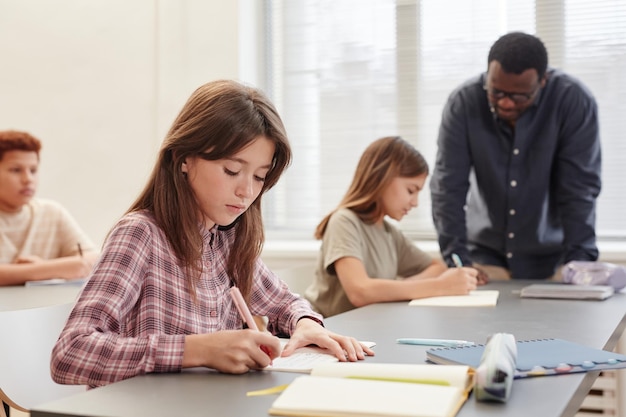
column 27, row 337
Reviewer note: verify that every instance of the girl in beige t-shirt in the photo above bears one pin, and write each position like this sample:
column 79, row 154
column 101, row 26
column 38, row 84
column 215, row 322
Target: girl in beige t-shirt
column 364, row 258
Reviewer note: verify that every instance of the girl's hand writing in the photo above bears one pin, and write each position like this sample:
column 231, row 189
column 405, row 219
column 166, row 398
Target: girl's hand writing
column 230, row 351
column 459, row 281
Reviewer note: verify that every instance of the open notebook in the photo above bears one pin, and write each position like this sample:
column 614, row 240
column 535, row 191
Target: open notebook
column 376, row 389
column 305, row 358
column 477, row 298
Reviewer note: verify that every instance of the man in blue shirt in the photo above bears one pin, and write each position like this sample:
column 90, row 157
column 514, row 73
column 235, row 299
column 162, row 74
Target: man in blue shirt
column 517, row 172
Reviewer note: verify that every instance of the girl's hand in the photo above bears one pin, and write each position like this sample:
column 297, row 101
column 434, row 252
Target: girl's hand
column 309, row 332
column 459, row 281
column 230, row 351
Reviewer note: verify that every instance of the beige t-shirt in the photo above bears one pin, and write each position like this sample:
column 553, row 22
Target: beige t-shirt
column 42, row 228
column 385, row 252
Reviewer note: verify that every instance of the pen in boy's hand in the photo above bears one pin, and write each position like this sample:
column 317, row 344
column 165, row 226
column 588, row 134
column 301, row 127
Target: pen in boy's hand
column 80, row 250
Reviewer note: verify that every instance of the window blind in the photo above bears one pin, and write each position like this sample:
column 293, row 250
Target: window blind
column 346, row 72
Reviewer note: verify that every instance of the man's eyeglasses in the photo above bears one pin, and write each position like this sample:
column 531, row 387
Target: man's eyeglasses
column 518, row 98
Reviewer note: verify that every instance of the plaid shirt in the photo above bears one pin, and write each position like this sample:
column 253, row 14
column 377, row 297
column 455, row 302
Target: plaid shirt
column 135, row 310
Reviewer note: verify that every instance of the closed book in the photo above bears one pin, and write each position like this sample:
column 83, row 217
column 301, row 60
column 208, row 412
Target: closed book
column 567, row 291
column 373, row 389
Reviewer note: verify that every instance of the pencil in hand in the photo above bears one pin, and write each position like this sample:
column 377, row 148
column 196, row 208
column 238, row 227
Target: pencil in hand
column 245, row 314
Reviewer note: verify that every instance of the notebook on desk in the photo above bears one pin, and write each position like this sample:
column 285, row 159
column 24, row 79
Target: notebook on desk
column 351, row 389
column 305, row 358
column 476, row 298
column 541, row 357
column 567, row 291
column 56, row 281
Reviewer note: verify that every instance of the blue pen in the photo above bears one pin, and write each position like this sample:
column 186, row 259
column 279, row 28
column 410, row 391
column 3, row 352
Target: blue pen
column 434, row 342
column 457, row 260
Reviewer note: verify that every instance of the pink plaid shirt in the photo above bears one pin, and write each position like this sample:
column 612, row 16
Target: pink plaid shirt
column 135, row 310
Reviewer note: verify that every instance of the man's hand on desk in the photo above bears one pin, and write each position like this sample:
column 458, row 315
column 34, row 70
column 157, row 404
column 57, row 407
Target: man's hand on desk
column 482, row 278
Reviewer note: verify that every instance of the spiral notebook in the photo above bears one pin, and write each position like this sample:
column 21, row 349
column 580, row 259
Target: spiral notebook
column 540, row 357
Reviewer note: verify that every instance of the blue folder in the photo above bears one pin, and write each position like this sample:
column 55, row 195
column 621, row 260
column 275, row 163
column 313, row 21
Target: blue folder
column 540, row 357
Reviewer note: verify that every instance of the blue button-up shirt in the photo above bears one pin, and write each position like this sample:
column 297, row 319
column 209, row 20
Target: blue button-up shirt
column 523, row 198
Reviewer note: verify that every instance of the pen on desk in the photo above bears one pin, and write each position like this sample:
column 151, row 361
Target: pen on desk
column 80, row 250
column 434, row 342
column 457, row 260
column 240, row 303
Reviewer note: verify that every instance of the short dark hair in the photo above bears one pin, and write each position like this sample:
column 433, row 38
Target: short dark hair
column 517, row 51
column 13, row 140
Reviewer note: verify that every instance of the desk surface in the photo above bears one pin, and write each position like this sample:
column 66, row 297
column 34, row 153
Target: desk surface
column 20, row 297
column 597, row 324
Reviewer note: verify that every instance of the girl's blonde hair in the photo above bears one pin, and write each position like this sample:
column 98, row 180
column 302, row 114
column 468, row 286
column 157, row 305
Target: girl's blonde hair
column 383, row 160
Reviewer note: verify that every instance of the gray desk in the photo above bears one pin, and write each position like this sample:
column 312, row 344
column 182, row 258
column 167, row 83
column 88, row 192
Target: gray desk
column 20, row 297
column 201, row 392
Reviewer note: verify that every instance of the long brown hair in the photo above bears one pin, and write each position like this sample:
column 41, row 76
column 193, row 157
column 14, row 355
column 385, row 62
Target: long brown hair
column 383, row 160
column 219, row 119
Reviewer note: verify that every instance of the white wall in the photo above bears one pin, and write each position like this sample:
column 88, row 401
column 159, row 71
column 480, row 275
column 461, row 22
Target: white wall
column 100, row 81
